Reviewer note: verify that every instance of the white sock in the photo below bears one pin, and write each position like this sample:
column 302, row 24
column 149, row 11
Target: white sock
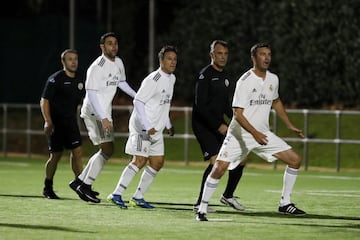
column 147, row 178
column 289, row 180
column 209, row 189
column 84, row 172
column 96, row 164
column 126, row 177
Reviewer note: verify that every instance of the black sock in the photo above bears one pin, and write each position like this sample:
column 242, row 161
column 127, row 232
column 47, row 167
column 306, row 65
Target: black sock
column 205, row 175
column 233, row 180
column 48, row 183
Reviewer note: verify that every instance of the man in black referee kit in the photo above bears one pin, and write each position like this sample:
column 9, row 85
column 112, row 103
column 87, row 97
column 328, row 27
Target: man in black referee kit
column 63, row 92
column 211, row 103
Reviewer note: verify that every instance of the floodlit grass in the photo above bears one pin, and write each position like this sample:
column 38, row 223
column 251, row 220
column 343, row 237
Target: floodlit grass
column 331, row 200
column 321, row 126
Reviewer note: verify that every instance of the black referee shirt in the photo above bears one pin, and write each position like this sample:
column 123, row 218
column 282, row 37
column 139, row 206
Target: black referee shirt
column 212, row 98
column 64, row 94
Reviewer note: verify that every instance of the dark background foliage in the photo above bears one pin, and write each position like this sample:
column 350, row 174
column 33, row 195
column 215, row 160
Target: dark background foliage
column 315, row 43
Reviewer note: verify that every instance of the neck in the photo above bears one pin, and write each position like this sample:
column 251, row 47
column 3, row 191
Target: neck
column 109, row 58
column 69, row 74
column 167, row 73
column 217, row 68
column 259, row 72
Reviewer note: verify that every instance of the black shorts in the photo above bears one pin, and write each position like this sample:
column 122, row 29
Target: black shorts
column 66, row 135
column 210, row 140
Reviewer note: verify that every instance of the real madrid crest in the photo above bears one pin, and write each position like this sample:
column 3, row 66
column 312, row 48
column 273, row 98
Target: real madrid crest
column 271, row 87
column 227, row 82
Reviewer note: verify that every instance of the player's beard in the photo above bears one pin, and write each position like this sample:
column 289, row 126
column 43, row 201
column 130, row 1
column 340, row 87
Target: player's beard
column 110, row 54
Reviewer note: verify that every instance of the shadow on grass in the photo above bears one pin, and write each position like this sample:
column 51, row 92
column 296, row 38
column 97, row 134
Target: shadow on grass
column 42, row 227
column 32, row 196
column 185, row 206
column 189, row 207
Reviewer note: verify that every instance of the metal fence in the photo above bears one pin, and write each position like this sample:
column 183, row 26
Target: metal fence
column 29, row 117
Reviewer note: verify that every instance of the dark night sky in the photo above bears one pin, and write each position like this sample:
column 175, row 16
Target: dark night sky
column 34, row 33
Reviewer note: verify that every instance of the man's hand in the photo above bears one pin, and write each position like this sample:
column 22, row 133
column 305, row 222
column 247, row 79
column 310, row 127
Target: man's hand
column 297, row 131
column 151, row 131
column 223, row 129
column 107, row 125
column 48, row 128
column 260, row 138
column 171, row 131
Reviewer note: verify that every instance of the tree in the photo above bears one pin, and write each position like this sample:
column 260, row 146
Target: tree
column 315, row 45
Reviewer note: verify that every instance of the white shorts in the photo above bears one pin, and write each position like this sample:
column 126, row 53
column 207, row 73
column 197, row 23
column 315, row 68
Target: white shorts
column 235, row 150
column 96, row 131
column 142, row 144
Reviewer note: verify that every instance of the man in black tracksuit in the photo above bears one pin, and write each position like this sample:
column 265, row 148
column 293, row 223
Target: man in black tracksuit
column 211, row 103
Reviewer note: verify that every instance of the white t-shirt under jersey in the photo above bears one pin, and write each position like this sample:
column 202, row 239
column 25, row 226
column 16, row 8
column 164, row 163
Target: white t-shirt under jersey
column 103, row 76
column 255, row 95
column 156, row 92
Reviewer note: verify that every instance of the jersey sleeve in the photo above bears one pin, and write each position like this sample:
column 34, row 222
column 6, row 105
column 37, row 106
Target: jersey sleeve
column 241, row 95
column 276, row 88
column 49, row 89
column 92, row 75
column 146, row 90
column 120, row 64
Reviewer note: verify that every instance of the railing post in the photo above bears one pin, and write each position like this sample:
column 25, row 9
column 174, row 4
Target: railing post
column 186, row 139
column 337, row 140
column 5, row 130
column 306, row 131
column 28, row 130
column 275, row 124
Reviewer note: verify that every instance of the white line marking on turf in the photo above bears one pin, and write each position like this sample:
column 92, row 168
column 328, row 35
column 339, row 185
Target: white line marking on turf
column 14, row 164
column 220, row 220
column 327, row 193
column 191, row 171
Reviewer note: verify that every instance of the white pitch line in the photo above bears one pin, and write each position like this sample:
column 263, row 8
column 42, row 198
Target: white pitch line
column 327, row 193
column 220, row 220
column 4, row 163
column 191, row 171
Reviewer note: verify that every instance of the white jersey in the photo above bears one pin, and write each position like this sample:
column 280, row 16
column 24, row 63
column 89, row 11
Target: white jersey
column 103, row 76
column 255, row 96
column 156, row 92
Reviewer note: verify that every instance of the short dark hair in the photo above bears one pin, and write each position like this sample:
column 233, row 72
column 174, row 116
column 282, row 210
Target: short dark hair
column 66, row 51
column 215, row 42
column 106, row 35
column 254, row 48
column 166, row 48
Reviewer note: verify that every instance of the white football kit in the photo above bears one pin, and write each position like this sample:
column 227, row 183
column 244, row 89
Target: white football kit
column 156, row 93
column 255, row 96
column 103, row 76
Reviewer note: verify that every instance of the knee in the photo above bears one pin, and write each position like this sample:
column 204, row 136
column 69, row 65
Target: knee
column 296, row 163
column 156, row 162
column 157, row 165
column 107, row 149
column 218, row 170
column 139, row 161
